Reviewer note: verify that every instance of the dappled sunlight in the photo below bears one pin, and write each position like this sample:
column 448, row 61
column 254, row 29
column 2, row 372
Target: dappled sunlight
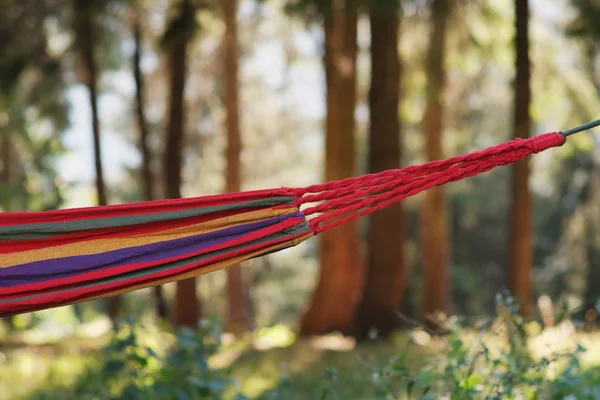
column 230, row 353
column 255, row 386
column 557, row 338
column 264, row 339
column 280, row 363
column 420, row 337
column 272, row 337
column 97, row 328
column 26, row 370
column 336, row 342
column 261, row 370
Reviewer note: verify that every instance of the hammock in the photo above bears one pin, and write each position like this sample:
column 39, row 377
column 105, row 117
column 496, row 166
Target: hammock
column 60, row 257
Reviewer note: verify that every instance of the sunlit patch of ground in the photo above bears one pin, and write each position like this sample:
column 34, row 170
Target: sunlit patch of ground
column 25, row 368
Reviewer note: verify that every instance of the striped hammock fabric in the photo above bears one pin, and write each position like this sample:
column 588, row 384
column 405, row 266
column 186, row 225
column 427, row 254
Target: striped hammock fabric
column 59, row 257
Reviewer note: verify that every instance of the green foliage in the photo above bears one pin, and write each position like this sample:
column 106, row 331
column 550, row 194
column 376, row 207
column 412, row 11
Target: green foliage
column 33, row 108
column 482, row 359
column 308, row 10
column 132, row 369
column 585, row 26
column 478, row 370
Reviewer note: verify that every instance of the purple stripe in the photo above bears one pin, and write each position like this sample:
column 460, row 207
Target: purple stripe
column 41, row 271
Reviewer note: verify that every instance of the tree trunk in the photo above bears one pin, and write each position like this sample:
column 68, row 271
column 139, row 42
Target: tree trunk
column 187, row 306
column 520, row 217
column 340, row 284
column 385, row 279
column 146, row 170
column 592, row 289
column 434, row 212
column 239, row 316
column 6, row 173
column 87, row 39
column 6, row 183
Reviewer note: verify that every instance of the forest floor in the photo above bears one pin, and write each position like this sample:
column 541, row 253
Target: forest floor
column 36, row 364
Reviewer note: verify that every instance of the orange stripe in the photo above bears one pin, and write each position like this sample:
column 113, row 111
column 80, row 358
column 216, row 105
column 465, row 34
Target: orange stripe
column 208, row 268
column 99, row 246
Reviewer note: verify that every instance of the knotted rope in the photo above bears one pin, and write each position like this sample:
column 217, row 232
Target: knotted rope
column 348, row 199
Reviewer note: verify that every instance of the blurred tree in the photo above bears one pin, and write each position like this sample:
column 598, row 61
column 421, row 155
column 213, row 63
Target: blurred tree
column 520, row 240
column 33, row 109
column 385, row 278
column 176, row 39
column 585, row 28
column 434, row 213
column 146, row 177
column 86, row 39
column 239, row 315
column 86, row 42
column 340, row 283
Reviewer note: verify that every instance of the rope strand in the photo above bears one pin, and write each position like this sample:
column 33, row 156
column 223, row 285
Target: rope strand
column 348, row 199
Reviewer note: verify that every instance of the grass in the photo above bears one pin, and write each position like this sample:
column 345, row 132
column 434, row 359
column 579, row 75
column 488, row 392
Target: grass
column 53, row 362
column 268, row 364
column 261, row 365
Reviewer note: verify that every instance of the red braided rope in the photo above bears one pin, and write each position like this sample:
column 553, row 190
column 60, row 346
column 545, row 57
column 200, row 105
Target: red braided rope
column 348, row 199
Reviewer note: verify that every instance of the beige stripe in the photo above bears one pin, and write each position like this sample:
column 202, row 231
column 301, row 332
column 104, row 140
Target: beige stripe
column 99, row 246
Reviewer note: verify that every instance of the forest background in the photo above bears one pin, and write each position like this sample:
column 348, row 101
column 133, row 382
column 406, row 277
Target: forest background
column 114, row 101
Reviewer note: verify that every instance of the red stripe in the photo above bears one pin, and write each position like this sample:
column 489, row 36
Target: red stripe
column 59, row 299
column 16, row 246
column 72, row 281
column 72, row 214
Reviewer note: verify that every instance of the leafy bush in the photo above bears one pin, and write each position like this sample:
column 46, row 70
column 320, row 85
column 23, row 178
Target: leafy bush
column 472, row 370
column 131, row 369
column 491, row 361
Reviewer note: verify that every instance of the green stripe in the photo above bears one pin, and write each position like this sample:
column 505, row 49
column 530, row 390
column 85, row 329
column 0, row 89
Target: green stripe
column 43, row 230
column 290, row 234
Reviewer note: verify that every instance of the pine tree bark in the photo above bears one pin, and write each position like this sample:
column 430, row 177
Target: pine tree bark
column 385, row 278
column 86, row 33
column 340, row 283
column 146, row 169
column 187, row 306
column 434, row 212
column 520, row 239
column 239, row 311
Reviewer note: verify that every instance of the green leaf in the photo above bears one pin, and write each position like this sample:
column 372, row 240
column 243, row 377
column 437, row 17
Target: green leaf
column 410, row 386
column 472, row 381
column 113, row 367
column 151, row 352
column 400, row 362
column 140, row 360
